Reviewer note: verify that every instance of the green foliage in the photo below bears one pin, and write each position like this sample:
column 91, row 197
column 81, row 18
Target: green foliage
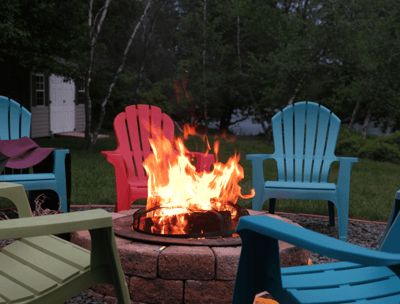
column 349, row 143
column 380, row 150
column 384, row 148
column 35, row 32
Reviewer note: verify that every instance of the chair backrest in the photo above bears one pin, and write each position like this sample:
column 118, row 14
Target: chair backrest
column 135, row 126
column 305, row 136
column 389, row 242
column 15, row 120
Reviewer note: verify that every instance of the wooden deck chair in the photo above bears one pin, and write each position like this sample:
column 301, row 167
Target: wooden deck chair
column 132, row 130
column 365, row 275
column 42, row 268
column 305, row 136
column 15, row 123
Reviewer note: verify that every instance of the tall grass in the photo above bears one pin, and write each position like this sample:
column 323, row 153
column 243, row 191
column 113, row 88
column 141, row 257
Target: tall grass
column 372, row 187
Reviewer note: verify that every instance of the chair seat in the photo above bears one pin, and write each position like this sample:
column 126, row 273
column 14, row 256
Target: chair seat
column 27, row 177
column 320, row 283
column 37, row 265
column 300, row 185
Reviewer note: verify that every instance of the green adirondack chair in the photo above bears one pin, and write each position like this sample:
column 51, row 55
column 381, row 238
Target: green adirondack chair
column 304, row 152
column 42, row 268
column 366, row 277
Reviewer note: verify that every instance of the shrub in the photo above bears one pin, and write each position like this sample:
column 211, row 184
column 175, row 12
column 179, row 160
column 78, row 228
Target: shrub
column 380, row 150
column 384, row 148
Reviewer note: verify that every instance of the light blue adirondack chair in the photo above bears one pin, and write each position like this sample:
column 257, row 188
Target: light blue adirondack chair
column 304, row 152
column 15, row 123
column 365, row 275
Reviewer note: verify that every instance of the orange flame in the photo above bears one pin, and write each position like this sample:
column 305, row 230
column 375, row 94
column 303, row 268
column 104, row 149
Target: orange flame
column 175, row 185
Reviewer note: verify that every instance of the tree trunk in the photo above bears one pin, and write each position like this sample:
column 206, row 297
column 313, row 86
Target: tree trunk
column 204, row 69
column 297, row 89
column 118, row 72
column 366, row 121
column 93, row 35
column 353, row 117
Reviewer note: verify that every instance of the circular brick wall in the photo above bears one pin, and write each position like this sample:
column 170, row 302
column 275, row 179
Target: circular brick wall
column 180, row 274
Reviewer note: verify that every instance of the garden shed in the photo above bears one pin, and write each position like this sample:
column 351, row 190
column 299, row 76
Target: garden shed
column 56, row 104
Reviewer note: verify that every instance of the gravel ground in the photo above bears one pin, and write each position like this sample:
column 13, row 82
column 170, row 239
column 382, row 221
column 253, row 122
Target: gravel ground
column 362, row 234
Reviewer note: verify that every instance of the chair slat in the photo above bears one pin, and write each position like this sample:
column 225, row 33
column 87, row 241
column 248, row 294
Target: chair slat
column 299, row 124
column 26, row 277
column 144, row 129
column 4, row 124
column 12, row 291
column 60, row 250
column 304, row 185
column 323, row 121
column 25, row 122
column 287, row 114
column 349, row 293
column 27, row 177
column 311, row 130
column 334, row 127
column 132, row 116
column 331, row 278
column 44, row 263
column 168, row 127
column 278, row 145
column 15, row 113
column 155, row 118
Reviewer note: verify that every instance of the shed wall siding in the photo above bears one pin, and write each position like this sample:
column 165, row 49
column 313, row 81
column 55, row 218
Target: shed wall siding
column 80, row 118
column 40, row 122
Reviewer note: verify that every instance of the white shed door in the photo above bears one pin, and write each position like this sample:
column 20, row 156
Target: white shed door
column 62, row 106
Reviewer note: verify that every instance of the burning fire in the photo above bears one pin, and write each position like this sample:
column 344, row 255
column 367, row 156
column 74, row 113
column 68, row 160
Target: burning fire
column 175, row 185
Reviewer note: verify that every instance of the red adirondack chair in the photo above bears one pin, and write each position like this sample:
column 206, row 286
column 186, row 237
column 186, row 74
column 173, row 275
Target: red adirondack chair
column 131, row 181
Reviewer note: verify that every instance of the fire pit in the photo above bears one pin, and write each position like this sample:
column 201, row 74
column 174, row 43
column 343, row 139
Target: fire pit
column 206, row 228
column 182, row 247
column 180, row 273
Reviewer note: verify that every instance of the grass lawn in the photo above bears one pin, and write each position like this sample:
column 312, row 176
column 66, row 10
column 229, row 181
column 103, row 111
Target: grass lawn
column 372, row 187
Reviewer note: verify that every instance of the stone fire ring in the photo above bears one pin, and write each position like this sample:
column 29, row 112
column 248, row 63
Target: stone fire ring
column 180, row 274
column 122, row 226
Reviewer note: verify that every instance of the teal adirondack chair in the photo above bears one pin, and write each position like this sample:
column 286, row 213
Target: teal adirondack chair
column 42, row 268
column 15, row 123
column 368, row 276
column 304, row 152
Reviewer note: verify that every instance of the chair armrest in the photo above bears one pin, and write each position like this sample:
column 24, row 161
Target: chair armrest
column 346, row 164
column 315, row 242
column 55, row 224
column 116, row 159
column 257, row 169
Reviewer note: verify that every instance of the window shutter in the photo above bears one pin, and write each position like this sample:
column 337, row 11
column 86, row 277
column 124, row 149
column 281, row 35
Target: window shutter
column 46, row 90
column 33, row 90
column 76, row 92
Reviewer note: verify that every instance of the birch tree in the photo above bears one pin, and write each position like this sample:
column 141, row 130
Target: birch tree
column 95, row 22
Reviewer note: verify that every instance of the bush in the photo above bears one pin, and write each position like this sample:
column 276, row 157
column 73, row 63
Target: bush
column 384, row 148
column 350, row 146
column 380, row 150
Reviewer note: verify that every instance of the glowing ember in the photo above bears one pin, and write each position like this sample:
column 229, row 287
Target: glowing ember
column 175, row 185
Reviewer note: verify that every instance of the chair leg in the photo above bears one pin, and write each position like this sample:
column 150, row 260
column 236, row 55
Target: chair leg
column 331, row 209
column 272, row 202
column 343, row 220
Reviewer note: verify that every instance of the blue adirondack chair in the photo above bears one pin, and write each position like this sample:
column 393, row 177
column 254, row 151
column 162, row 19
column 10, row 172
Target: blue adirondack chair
column 15, row 123
column 304, row 152
column 367, row 276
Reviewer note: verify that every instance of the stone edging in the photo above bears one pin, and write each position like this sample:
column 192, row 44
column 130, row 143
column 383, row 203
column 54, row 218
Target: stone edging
column 278, row 213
